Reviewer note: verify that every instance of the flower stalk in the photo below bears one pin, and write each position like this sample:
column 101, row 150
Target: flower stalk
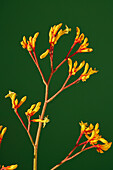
column 90, row 132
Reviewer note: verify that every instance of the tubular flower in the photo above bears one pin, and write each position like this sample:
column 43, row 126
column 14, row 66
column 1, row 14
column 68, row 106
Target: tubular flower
column 29, row 45
column 33, row 109
column 83, row 47
column 15, row 104
column 2, row 133
column 94, row 137
column 85, row 75
column 46, row 120
column 53, row 38
column 85, row 129
column 44, row 54
column 74, row 69
column 11, row 167
column 79, row 38
column 104, row 147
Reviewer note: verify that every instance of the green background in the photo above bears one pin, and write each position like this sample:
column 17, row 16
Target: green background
column 91, row 101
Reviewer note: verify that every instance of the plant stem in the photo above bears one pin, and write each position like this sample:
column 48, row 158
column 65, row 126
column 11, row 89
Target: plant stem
column 68, row 158
column 39, row 130
column 62, row 88
column 24, row 126
column 37, row 64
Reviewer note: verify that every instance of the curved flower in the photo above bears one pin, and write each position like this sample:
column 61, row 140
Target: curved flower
column 79, row 38
column 93, row 137
column 86, row 74
column 33, row 109
column 11, row 167
column 83, row 47
column 29, row 45
column 15, row 104
column 75, row 68
column 53, row 38
column 44, row 54
column 2, row 133
column 45, row 121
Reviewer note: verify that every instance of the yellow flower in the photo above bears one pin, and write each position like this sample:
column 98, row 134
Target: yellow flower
column 85, row 75
column 46, row 120
column 83, row 47
column 74, row 69
column 83, row 126
column 79, row 38
column 95, row 137
column 85, row 129
column 29, row 45
column 53, row 38
column 104, row 147
column 33, row 109
column 11, row 167
column 44, row 54
column 2, row 133
column 15, row 104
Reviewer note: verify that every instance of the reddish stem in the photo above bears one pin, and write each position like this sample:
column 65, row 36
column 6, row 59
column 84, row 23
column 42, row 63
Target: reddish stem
column 37, row 64
column 24, row 126
column 62, row 88
column 20, row 119
column 67, row 56
column 51, row 56
column 94, row 146
column 32, row 57
column 76, row 145
column 76, row 81
column 29, row 123
column 73, row 54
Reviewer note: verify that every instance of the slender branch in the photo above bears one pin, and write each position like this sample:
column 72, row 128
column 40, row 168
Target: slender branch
column 62, row 88
column 59, row 65
column 35, row 56
column 81, row 152
column 73, row 54
column 51, row 56
column 81, row 134
column 24, row 126
column 29, row 123
column 70, row 49
column 32, row 57
column 37, row 64
column 39, row 130
column 76, row 81
column 67, row 56
column 67, row 159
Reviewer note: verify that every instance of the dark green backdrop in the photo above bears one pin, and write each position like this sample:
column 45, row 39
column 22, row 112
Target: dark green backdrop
column 91, row 101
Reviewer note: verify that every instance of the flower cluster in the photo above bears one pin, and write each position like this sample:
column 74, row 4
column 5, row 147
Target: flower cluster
column 78, row 39
column 15, row 104
column 30, row 112
column 29, row 45
column 2, row 132
column 92, row 135
column 86, row 74
column 11, row 167
column 54, row 35
column 33, row 109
